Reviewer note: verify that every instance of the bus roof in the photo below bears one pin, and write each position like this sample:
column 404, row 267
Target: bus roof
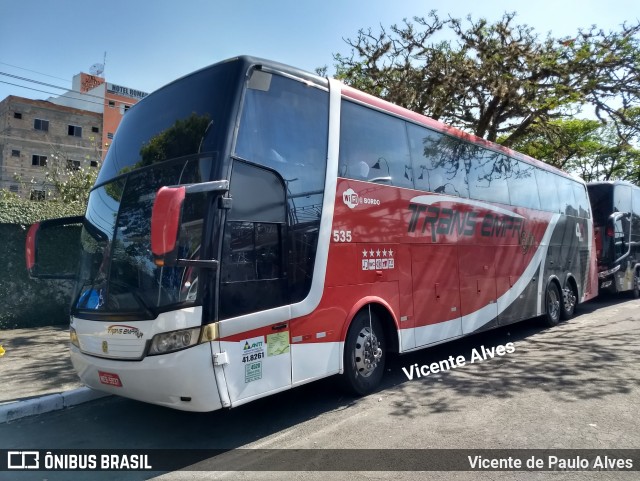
column 378, row 103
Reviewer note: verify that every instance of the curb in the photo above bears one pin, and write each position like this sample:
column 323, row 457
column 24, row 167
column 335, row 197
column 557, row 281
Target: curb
column 44, row 404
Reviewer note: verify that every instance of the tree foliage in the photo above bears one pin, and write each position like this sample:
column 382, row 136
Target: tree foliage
column 501, row 81
column 587, row 147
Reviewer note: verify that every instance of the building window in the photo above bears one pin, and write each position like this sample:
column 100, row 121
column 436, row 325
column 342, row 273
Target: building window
column 15, row 153
column 109, row 135
column 40, row 124
column 94, row 163
column 112, row 104
column 37, row 195
column 75, row 131
column 17, row 115
column 73, row 164
column 39, row 160
column 127, row 107
column 95, row 130
column 13, row 188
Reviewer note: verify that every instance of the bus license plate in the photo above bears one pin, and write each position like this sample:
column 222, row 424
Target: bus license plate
column 109, row 379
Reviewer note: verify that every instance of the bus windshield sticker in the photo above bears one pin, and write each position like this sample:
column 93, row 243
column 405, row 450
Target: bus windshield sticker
column 278, row 343
column 253, row 349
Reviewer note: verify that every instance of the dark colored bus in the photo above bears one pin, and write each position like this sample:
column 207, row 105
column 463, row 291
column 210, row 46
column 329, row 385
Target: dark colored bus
column 616, row 220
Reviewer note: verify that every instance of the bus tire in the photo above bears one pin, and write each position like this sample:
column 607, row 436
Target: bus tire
column 552, row 302
column 569, row 301
column 364, row 354
column 635, row 291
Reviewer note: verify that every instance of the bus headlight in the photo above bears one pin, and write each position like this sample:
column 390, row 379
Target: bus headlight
column 604, row 274
column 73, row 337
column 174, row 341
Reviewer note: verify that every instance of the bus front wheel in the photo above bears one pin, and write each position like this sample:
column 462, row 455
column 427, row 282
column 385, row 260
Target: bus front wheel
column 553, row 302
column 635, row 292
column 364, row 353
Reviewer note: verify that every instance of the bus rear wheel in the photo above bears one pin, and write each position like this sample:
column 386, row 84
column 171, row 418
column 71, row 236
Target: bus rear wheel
column 569, row 301
column 364, row 354
column 552, row 303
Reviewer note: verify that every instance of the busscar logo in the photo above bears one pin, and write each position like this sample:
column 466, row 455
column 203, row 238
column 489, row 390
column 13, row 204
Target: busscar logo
column 23, row 460
column 124, row 330
column 352, row 199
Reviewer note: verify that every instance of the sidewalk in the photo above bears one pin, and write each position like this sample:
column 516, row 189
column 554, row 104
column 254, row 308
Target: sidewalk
column 36, row 374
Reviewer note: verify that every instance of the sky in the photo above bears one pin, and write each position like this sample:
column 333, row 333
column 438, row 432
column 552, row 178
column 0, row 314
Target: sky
column 151, row 43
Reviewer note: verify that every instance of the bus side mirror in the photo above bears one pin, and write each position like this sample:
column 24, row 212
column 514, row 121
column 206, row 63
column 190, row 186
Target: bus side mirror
column 52, row 248
column 166, row 221
column 30, row 248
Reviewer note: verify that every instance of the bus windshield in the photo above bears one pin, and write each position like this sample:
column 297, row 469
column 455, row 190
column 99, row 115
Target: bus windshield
column 117, row 273
column 172, row 137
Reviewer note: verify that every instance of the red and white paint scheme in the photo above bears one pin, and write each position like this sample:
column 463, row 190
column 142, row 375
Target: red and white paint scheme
column 309, row 230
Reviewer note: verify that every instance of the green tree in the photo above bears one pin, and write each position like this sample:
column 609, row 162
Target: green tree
column 71, row 183
column 587, row 147
column 500, row 81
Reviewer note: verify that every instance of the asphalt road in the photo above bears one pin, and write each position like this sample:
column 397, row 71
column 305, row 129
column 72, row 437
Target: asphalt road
column 575, row 386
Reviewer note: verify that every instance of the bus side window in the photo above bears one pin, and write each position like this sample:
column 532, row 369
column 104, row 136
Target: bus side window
column 522, row 185
column 437, row 164
column 568, row 204
column 582, row 201
column 373, row 146
column 488, row 174
column 547, row 191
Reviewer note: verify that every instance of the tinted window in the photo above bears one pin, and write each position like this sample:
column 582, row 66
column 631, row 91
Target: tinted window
column 547, row 190
column 185, row 117
column 636, row 200
column 620, row 247
column 601, row 198
column 582, row 201
column 523, row 190
column 284, row 126
column 117, row 272
column 439, row 161
column 622, row 198
column 252, row 252
column 568, row 203
column 635, row 218
column 252, row 269
column 373, row 146
column 488, row 174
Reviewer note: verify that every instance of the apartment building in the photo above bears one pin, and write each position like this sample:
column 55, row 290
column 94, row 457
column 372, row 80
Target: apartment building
column 36, row 134
column 71, row 131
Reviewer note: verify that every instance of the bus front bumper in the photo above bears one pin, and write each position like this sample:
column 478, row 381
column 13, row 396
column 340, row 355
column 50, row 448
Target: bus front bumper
column 180, row 380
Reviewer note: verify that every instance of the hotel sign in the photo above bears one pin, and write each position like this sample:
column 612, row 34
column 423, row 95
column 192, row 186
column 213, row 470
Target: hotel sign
column 126, row 91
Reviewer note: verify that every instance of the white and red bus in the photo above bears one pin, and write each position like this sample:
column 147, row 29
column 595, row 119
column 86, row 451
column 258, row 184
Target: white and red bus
column 255, row 227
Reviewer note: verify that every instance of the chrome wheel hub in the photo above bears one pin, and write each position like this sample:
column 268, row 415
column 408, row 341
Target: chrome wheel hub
column 569, row 299
column 368, row 352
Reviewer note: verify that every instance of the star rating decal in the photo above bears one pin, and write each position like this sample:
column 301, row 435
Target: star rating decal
column 377, row 260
